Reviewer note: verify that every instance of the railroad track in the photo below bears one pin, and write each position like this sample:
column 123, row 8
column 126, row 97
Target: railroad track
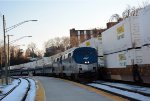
column 27, row 90
column 24, row 93
column 130, row 92
column 6, row 94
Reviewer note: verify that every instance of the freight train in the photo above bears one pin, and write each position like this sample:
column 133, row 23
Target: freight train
column 128, row 46
column 123, row 53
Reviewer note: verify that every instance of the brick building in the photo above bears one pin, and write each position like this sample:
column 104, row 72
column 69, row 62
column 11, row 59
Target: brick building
column 79, row 36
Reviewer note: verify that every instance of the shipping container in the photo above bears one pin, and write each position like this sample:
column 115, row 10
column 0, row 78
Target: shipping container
column 146, row 54
column 124, row 58
column 94, row 43
column 144, row 20
column 97, row 44
column 120, row 65
column 122, row 36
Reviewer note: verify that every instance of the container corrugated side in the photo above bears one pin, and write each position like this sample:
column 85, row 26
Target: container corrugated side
column 122, row 36
column 144, row 18
column 94, row 43
column 146, row 54
column 124, row 58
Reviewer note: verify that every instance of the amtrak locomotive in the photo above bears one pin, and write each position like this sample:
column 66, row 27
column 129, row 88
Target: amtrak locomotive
column 75, row 61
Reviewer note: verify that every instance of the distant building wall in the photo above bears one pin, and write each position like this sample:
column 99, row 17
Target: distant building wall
column 79, row 36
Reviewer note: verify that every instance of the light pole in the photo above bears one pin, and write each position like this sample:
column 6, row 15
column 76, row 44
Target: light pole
column 13, row 41
column 16, row 25
column 4, row 32
column 8, row 56
column 18, row 39
column 5, row 57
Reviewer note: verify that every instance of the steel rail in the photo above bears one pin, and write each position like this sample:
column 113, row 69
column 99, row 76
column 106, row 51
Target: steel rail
column 5, row 95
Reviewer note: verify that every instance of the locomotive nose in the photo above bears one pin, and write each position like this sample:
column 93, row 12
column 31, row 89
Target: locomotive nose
column 84, row 68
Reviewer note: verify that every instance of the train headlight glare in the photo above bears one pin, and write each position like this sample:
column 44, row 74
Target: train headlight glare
column 87, row 62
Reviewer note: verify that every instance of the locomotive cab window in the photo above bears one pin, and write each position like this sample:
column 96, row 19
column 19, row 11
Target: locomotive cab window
column 69, row 55
column 61, row 59
column 57, row 59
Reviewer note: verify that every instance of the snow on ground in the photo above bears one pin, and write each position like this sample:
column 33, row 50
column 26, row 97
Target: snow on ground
column 6, row 88
column 125, row 93
column 32, row 92
column 19, row 92
column 126, row 86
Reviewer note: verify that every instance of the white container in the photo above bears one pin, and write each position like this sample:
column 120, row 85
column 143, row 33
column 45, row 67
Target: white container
column 144, row 18
column 124, row 58
column 122, row 36
column 94, row 43
column 146, row 54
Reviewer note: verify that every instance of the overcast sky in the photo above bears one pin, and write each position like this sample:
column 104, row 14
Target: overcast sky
column 57, row 17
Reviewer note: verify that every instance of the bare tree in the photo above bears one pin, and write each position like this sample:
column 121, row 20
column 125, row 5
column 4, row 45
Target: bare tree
column 16, row 56
column 32, row 46
column 115, row 17
column 49, row 43
column 57, row 41
column 56, row 45
column 32, row 50
column 132, row 11
column 65, row 42
column 40, row 53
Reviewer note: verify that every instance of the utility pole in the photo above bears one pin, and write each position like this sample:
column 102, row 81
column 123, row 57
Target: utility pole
column 5, row 56
column 1, row 67
column 8, row 55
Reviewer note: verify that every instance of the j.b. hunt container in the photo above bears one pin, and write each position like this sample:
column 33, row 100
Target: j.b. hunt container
column 122, row 36
column 144, row 20
column 124, row 58
column 119, row 65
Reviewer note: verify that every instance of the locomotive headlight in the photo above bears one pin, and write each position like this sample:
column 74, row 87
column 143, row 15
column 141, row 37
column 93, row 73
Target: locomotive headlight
column 87, row 62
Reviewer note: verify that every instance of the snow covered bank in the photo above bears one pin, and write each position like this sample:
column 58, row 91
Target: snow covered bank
column 32, row 92
column 121, row 92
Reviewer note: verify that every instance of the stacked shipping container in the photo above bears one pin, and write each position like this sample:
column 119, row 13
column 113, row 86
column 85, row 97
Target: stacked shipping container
column 127, row 43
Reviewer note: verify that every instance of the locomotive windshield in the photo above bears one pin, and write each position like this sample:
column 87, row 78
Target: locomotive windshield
column 85, row 55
